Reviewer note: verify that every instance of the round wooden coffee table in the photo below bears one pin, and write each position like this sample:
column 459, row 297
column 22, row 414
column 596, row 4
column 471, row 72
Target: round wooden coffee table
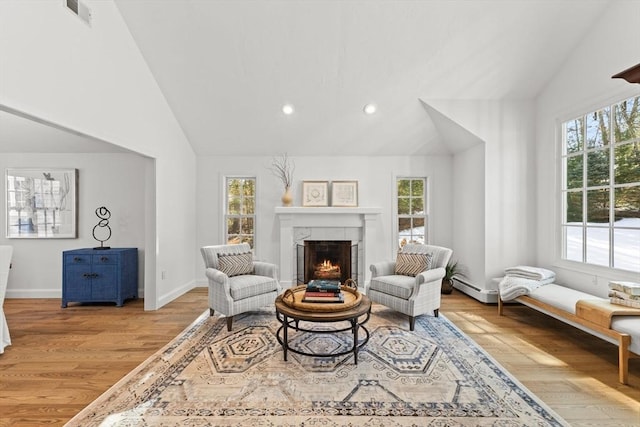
column 290, row 317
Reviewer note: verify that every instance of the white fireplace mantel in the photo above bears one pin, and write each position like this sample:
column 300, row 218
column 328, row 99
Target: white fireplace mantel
column 326, row 210
column 291, row 218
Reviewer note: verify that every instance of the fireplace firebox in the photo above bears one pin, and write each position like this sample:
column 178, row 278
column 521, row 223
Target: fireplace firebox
column 327, row 259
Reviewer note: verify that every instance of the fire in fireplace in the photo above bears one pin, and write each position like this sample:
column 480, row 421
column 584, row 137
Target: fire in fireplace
column 327, row 259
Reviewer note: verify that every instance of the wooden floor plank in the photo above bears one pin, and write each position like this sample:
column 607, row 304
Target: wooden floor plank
column 63, row 359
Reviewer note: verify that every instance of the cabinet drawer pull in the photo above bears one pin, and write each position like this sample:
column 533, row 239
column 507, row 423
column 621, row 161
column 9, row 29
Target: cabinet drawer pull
column 77, row 259
column 104, row 259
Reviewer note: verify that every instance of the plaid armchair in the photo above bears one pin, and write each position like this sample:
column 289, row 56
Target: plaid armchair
column 412, row 288
column 237, row 283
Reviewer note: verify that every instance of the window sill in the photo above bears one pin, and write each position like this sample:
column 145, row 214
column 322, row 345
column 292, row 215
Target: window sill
column 597, row 270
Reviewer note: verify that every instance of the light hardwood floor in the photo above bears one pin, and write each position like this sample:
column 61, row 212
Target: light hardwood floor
column 62, row 359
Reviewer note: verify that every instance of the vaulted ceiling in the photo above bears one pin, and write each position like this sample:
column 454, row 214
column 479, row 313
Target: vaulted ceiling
column 226, row 67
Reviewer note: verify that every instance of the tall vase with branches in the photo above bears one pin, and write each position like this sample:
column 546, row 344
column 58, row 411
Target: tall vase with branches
column 283, row 167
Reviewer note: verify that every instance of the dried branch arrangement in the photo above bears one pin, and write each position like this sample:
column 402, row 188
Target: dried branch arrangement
column 283, row 168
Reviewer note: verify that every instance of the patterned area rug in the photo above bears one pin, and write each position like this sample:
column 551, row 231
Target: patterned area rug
column 434, row 376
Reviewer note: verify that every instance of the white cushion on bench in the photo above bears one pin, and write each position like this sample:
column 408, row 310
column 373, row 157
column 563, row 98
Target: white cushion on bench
column 565, row 299
column 628, row 325
column 561, row 297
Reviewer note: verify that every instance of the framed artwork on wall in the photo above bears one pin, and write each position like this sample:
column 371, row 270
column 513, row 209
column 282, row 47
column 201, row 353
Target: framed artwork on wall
column 315, row 193
column 41, row 203
column 344, row 193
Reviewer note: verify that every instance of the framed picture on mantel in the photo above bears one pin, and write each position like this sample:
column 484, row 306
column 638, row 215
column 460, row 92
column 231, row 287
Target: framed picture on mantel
column 315, row 193
column 344, row 193
column 41, row 203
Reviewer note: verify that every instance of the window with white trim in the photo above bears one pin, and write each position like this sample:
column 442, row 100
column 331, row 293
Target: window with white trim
column 601, row 187
column 240, row 210
column 411, row 210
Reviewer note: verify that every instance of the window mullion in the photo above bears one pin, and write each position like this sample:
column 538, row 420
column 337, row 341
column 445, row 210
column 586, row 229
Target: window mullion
column 612, row 190
column 585, row 204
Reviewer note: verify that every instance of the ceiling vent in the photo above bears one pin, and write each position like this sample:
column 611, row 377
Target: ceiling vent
column 79, row 9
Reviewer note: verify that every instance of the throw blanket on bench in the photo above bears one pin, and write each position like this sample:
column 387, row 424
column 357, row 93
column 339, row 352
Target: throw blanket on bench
column 521, row 280
column 533, row 273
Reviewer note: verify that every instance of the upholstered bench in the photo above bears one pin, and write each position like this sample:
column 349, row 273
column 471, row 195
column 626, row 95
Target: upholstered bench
column 590, row 314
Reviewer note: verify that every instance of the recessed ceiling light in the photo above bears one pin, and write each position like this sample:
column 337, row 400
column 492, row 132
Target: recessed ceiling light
column 370, row 108
column 287, row 109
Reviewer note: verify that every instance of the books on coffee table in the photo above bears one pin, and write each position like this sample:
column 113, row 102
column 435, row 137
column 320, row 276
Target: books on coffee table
column 323, row 291
column 334, row 299
column 323, row 286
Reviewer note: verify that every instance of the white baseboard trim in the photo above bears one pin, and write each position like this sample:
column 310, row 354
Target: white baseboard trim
column 43, row 293
column 34, row 293
column 57, row 293
column 175, row 293
column 488, row 296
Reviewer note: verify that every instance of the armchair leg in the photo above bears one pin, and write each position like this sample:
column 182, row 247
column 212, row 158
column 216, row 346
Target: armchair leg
column 211, row 312
column 412, row 323
column 436, row 312
column 229, row 322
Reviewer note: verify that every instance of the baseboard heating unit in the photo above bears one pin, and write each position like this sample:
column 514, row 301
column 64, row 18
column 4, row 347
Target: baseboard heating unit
column 483, row 295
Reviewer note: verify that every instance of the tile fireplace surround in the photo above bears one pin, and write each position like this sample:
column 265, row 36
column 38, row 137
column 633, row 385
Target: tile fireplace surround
column 298, row 224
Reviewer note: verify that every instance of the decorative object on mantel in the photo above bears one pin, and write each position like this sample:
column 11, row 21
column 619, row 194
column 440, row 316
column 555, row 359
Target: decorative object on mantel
column 315, row 193
column 344, row 193
column 632, row 75
column 287, row 197
column 104, row 214
column 283, row 168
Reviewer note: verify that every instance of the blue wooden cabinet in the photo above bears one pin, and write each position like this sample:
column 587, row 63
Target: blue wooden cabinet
column 99, row 275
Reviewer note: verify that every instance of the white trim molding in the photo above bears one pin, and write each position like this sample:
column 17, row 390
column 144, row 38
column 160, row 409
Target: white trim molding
column 356, row 224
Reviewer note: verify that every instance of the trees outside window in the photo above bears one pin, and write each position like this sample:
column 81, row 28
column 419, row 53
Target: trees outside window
column 411, row 210
column 240, row 210
column 601, row 187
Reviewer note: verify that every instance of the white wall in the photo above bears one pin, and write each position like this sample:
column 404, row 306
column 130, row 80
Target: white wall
column 376, row 182
column 582, row 85
column 469, row 212
column 37, row 263
column 507, row 127
column 93, row 80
